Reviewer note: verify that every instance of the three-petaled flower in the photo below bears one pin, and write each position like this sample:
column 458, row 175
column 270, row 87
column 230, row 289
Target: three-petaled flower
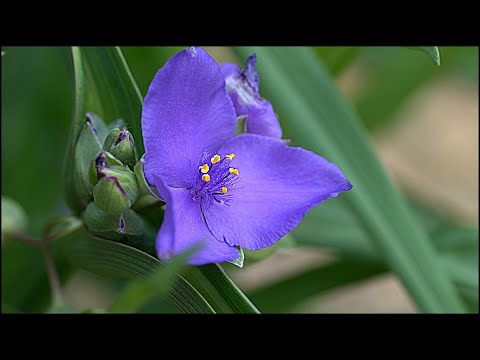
column 222, row 190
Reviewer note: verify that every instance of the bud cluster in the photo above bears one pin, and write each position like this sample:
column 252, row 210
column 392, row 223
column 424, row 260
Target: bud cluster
column 105, row 160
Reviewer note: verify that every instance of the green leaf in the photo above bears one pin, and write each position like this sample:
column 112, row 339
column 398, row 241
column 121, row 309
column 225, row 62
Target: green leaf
column 336, row 58
column 94, row 311
column 140, row 292
column 317, row 117
column 394, row 75
column 117, row 261
column 431, row 51
column 284, row 295
column 7, row 308
column 340, row 230
column 220, row 291
column 111, row 91
column 72, row 196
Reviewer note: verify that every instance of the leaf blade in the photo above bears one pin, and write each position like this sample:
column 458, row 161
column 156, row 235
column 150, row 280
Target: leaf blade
column 322, row 121
column 114, row 260
column 431, row 51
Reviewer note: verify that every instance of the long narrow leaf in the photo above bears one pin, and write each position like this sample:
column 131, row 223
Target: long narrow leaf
column 317, row 117
column 117, row 261
column 140, row 292
column 226, row 289
column 111, row 89
column 288, row 293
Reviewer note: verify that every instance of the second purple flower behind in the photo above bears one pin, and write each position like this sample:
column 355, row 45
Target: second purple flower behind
column 223, row 190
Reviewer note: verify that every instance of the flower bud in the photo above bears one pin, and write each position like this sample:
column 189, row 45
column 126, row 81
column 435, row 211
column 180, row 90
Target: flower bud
column 127, row 227
column 88, row 145
column 116, row 189
column 119, row 143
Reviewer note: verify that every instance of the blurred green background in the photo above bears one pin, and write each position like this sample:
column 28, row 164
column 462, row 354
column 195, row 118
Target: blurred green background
column 422, row 119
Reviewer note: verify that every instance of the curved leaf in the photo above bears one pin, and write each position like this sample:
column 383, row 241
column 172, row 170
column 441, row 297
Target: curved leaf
column 140, row 292
column 221, row 292
column 114, row 260
column 431, row 51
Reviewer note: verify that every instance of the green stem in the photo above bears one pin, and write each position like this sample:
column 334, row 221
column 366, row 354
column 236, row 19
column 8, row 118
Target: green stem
column 53, row 279
column 73, row 224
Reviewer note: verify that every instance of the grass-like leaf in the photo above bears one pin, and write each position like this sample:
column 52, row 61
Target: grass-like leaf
column 316, row 116
column 140, row 292
column 113, row 260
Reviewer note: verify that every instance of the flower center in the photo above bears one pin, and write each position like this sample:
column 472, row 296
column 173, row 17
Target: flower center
column 215, row 181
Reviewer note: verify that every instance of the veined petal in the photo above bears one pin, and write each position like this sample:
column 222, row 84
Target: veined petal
column 277, row 186
column 243, row 88
column 183, row 228
column 186, row 111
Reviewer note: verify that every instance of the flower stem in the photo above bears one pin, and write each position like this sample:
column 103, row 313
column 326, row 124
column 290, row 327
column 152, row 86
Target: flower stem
column 72, row 224
column 53, row 279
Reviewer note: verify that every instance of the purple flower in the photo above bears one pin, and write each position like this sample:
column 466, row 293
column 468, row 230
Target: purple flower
column 243, row 88
column 222, row 190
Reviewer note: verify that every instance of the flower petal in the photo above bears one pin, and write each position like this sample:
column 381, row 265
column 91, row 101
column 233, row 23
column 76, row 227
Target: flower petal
column 229, row 69
column 183, row 228
column 277, row 186
column 186, row 111
column 242, row 86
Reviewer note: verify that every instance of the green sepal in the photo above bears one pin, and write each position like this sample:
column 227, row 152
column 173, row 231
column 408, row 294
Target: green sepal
column 145, row 188
column 87, row 147
column 101, row 129
column 116, row 192
column 240, row 259
column 127, row 226
column 103, row 158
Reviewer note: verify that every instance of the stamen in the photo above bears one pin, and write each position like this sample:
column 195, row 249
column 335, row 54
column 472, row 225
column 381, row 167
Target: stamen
column 230, row 156
column 206, row 177
column 216, row 158
column 224, row 190
column 204, row 168
column 233, row 171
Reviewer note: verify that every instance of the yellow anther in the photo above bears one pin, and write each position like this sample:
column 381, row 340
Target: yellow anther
column 216, row 158
column 204, row 168
column 230, row 156
column 233, row 171
column 224, row 190
column 206, row 177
